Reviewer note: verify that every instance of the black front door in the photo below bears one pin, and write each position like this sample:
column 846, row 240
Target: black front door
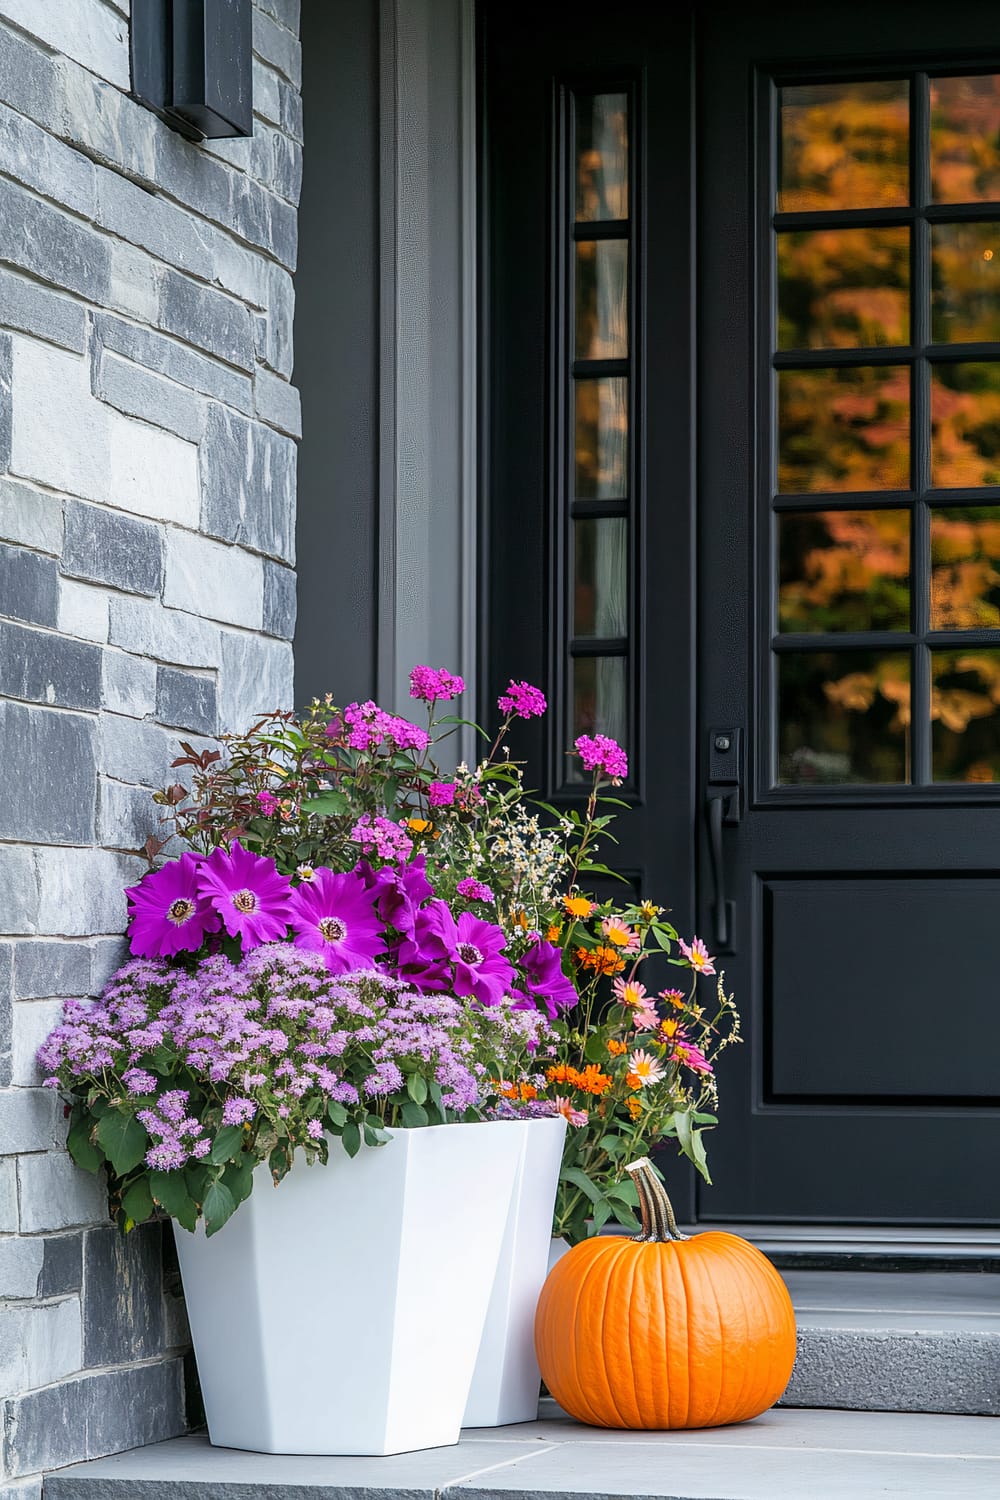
column 742, row 334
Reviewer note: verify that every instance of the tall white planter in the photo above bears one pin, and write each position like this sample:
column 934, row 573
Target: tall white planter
column 342, row 1312
column 506, row 1381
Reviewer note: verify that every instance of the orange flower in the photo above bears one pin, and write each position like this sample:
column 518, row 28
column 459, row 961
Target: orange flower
column 634, row 1107
column 554, row 933
column 578, row 906
column 604, row 960
column 591, row 1081
column 633, row 1080
column 419, row 825
column 524, row 1092
column 616, row 1048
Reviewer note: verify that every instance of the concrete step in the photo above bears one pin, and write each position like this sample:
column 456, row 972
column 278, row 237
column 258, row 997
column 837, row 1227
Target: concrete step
column 783, row 1455
column 819, row 1247
column 903, row 1342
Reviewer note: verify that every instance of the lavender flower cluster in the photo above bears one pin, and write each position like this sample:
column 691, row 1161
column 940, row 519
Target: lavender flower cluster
column 271, row 1043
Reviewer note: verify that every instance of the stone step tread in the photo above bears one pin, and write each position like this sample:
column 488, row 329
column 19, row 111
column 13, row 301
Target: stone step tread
column 825, row 1455
column 963, row 1301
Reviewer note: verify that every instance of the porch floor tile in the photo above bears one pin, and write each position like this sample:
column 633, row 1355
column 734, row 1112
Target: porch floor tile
column 787, row 1453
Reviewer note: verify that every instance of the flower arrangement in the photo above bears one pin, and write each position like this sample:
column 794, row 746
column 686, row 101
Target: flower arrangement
column 354, row 940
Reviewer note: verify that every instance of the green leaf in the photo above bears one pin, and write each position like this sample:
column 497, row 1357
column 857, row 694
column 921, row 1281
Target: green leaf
column 613, row 1145
column 351, row 1138
column 169, row 1190
column 578, row 1177
column 623, row 1192
column 596, row 1048
column 375, row 1135
column 81, row 1147
column 124, row 1141
column 700, row 1117
column 698, row 1154
column 226, row 1145
column 238, row 1178
column 413, row 1115
column 280, row 1161
column 336, row 1114
column 624, row 1215
column 602, row 1213
column 416, row 1087
column 327, row 805
column 682, row 1120
column 138, row 1201
column 219, row 1205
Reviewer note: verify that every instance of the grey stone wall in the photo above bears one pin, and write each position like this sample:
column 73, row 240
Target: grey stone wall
column 147, row 474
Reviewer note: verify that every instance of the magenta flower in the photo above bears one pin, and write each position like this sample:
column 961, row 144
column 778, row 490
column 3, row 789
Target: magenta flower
column 601, row 753
column 441, row 793
column 698, row 955
column 547, row 984
column 334, row 915
column 434, row 684
column 464, row 956
column 399, row 891
column 474, row 890
column 267, row 802
column 522, row 701
column 367, row 727
column 247, row 893
column 168, row 913
column 691, row 1056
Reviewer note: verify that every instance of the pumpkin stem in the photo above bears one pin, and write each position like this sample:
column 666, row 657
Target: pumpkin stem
column 658, row 1222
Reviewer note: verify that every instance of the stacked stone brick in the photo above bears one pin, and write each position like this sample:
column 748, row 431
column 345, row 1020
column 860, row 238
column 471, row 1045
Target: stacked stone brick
column 147, row 473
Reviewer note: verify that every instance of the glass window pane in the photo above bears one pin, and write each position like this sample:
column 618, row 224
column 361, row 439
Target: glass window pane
column 844, row 430
column 965, row 424
column 601, row 156
column 600, row 571
column 843, row 288
column 844, row 570
column 965, row 568
column 843, row 718
column 601, row 461
column 844, row 145
column 965, row 283
column 598, row 704
column 965, row 139
column 965, row 709
column 602, row 299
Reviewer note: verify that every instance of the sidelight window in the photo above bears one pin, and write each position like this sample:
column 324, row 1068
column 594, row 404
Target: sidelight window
column 884, row 480
column 594, row 436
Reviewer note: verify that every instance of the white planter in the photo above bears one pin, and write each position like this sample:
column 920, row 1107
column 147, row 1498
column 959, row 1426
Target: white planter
column 341, row 1312
column 506, row 1381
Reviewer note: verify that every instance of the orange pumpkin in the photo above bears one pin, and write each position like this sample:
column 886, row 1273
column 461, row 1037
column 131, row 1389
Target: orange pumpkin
column 664, row 1330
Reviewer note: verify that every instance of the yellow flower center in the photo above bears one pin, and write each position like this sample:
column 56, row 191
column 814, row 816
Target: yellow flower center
column 245, row 901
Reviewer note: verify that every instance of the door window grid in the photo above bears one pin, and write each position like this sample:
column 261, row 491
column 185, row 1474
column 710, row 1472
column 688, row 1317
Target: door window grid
column 596, row 438
column 876, row 404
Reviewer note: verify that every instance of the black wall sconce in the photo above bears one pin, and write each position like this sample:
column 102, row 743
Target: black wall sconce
column 192, row 64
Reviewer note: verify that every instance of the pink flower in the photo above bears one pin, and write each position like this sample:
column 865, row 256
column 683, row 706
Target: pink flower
column 602, row 754
column 645, row 1018
column 168, row 912
column 621, row 935
column 334, row 915
column 578, row 1117
column 629, row 991
column 441, row 793
column 692, row 1057
column 644, row 1068
column 434, row 684
column 698, row 956
column 268, row 802
column 474, row 890
column 382, row 837
column 463, row 956
column 247, row 893
column 522, row 701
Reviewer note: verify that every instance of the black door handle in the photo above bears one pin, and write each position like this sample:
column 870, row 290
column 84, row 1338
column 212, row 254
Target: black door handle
column 720, row 908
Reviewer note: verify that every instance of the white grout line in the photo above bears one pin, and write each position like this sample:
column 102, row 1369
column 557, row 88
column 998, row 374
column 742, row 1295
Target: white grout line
column 503, row 1464
column 778, row 1448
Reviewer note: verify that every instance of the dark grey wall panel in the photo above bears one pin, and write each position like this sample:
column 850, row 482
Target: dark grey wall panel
column 876, row 984
column 336, row 353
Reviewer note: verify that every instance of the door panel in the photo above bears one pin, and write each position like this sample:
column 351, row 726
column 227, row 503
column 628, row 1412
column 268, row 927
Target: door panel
column 840, row 370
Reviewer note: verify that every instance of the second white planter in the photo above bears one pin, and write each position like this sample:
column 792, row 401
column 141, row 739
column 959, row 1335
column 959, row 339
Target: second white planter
column 342, row 1312
column 506, row 1381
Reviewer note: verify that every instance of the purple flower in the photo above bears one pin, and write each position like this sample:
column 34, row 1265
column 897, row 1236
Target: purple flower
column 248, row 894
column 547, row 984
column 368, row 726
column 522, row 701
column 267, row 802
column 168, row 913
column 474, row 890
column 600, row 753
column 314, row 1130
column 335, row 915
column 434, row 684
column 138, row 1081
column 464, row 956
column 441, row 793
column 400, row 891
column 237, row 1111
